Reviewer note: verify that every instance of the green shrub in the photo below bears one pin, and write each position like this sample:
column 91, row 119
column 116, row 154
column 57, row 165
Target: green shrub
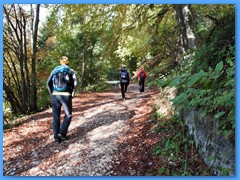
column 205, row 78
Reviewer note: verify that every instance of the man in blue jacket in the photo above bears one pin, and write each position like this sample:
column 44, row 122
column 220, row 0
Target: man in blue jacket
column 61, row 85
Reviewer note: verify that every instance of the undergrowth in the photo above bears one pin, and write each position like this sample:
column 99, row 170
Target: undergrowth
column 176, row 149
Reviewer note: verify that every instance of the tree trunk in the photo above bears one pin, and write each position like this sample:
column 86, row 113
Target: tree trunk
column 83, row 62
column 34, row 52
column 185, row 22
column 25, row 59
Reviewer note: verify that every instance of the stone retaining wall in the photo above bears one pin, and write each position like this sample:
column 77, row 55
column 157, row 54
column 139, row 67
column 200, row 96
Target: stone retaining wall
column 217, row 151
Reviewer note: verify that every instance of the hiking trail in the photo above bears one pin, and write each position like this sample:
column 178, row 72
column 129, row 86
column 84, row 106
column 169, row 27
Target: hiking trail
column 107, row 137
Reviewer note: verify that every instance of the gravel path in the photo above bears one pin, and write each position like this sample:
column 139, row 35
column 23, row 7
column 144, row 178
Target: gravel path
column 100, row 124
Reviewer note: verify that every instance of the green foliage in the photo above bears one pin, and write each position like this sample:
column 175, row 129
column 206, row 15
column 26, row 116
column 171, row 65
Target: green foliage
column 156, row 150
column 6, row 126
column 211, row 92
column 208, row 15
column 99, row 87
column 176, row 149
column 215, row 48
column 112, row 73
column 224, row 171
column 44, row 99
column 212, row 98
column 161, row 170
column 205, row 78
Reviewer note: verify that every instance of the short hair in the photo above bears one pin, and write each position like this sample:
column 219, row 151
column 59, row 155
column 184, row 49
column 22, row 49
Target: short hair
column 64, row 58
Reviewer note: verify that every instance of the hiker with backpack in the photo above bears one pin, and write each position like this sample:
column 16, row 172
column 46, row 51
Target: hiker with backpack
column 61, row 85
column 124, row 81
column 141, row 79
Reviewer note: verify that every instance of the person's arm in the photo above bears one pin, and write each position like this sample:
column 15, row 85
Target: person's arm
column 138, row 75
column 120, row 75
column 75, row 83
column 49, row 83
column 145, row 74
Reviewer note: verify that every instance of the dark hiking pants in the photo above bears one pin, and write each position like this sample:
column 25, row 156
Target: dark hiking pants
column 57, row 102
column 141, row 86
column 123, row 89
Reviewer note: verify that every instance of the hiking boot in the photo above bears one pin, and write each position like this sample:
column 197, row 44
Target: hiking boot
column 63, row 138
column 57, row 141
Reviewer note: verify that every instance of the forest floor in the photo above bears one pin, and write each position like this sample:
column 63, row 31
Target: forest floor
column 107, row 137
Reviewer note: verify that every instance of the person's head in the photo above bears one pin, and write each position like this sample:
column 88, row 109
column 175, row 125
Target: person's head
column 123, row 67
column 142, row 68
column 64, row 60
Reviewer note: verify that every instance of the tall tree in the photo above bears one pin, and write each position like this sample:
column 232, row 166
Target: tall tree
column 18, row 52
column 34, row 29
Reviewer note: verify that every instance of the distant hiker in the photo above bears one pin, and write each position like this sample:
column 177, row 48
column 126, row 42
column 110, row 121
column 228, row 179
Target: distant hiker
column 61, row 85
column 124, row 80
column 141, row 79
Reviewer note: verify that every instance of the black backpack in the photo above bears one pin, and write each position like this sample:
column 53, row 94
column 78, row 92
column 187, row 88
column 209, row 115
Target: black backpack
column 124, row 76
column 142, row 77
column 61, row 79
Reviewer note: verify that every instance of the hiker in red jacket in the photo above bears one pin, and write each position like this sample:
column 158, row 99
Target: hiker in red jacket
column 141, row 79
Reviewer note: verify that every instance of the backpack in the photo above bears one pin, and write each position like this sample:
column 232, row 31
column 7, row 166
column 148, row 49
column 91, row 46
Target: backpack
column 124, row 76
column 142, row 77
column 61, row 79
